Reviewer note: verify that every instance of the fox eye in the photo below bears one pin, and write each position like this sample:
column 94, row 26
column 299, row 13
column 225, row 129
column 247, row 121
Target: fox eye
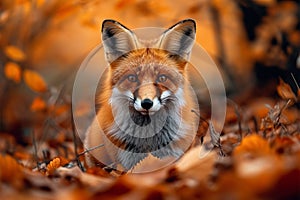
column 132, row 78
column 162, row 78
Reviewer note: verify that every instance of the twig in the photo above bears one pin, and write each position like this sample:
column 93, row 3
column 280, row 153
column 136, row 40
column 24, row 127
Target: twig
column 75, row 143
column 295, row 81
column 255, row 123
column 35, row 150
column 239, row 117
column 90, row 149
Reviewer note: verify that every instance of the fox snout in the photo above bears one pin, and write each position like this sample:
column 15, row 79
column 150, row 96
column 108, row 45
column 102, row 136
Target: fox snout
column 147, row 103
column 147, row 99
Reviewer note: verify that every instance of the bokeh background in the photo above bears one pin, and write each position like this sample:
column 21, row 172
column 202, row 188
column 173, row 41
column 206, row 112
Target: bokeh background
column 43, row 42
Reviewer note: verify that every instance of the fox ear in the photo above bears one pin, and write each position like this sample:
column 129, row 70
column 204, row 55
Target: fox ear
column 117, row 40
column 179, row 38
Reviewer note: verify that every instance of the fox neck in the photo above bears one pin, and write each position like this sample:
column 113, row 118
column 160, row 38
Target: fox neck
column 139, row 133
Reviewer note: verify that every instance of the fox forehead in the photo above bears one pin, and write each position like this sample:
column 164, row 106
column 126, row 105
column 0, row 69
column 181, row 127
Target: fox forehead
column 146, row 63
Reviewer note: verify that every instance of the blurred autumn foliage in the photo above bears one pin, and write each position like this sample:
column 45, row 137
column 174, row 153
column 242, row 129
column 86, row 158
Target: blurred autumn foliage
column 256, row 44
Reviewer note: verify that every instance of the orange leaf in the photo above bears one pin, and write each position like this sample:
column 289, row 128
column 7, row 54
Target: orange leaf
column 253, row 145
column 56, row 163
column 14, row 53
column 10, row 170
column 63, row 160
column 285, row 92
column 53, row 165
column 38, row 104
column 12, row 71
column 34, row 81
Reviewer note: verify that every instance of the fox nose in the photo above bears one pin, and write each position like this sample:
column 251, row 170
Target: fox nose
column 147, row 104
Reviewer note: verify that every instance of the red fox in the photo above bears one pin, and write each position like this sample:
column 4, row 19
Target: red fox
column 145, row 100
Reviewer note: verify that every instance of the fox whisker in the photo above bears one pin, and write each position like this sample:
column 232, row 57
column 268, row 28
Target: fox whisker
column 168, row 99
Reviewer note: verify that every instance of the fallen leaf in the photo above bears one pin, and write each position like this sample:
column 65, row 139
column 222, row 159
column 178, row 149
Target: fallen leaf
column 260, row 173
column 34, row 81
column 87, row 179
column 56, row 163
column 21, row 155
column 10, row 171
column 14, row 53
column 53, row 165
column 12, row 71
column 98, row 171
column 38, row 104
column 253, row 146
column 285, row 145
column 194, row 165
column 285, row 92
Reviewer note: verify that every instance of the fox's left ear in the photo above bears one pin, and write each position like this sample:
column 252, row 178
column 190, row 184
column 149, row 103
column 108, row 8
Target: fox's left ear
column 179, row 38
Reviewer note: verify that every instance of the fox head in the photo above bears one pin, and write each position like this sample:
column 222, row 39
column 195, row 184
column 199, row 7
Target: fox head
column 148, row 77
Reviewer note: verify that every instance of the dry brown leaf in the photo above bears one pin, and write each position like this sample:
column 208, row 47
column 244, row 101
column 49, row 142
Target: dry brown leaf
column 285, row 145
column 22, row 155
column 196, row 164
column 253, row 146
column 97, row 171
column 10, row 170
column 87, row 179
column 63, row 160
column 285, row 92
column 34, row 81
column 14, row 53
column 256, row 163
column 38, row 104
column 12, row 71
column 261, row 173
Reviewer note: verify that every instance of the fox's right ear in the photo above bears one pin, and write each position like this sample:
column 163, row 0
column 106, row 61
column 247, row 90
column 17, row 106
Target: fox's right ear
column 117, row 40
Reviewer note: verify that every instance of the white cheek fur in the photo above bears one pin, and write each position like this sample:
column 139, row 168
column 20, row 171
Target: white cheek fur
column 180, row 97
column 137, row 104
column 165, row 94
